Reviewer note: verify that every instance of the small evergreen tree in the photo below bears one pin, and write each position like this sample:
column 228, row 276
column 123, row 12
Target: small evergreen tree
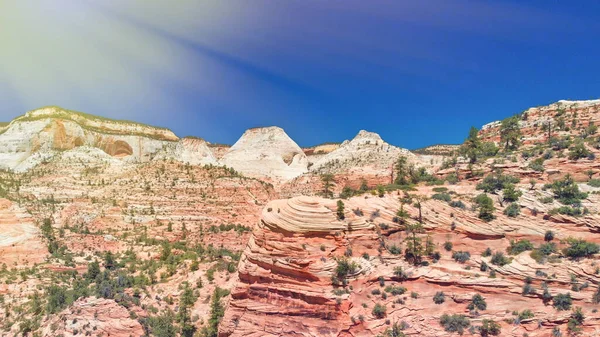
column 486, row 207
column 340, row 210
column 327, row 180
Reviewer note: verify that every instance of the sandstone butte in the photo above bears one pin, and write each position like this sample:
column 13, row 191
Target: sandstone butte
column 114, row 228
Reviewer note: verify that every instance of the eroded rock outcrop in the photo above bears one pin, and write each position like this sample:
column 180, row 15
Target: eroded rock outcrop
column 365, row 157
column 285, row 273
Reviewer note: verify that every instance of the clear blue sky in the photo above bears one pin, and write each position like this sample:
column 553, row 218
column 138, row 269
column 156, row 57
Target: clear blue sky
column 416, row 72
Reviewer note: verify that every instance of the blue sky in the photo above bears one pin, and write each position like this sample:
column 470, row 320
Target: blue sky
column 416, row 72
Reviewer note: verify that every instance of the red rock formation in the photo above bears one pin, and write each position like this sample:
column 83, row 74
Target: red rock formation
column 285, row 273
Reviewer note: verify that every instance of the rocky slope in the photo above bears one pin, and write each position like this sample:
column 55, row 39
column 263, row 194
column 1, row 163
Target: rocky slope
column 285, row 282
column 366, row 151
column 563, row 118
column 366, row 157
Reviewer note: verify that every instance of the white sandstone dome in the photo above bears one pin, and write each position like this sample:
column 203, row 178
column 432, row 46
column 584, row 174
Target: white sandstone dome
column 266, row 152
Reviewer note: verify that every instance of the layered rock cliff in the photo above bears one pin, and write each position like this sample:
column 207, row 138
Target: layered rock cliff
column 285, row 273
column 40, row 134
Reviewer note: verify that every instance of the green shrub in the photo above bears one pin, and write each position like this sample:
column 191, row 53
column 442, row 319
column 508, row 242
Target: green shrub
column 579, row 248
column 562, row 302
column 457, row 204
column 578, row 151
column 567, row 210
column 537, row 164
column 442, row 197
column 489, row 328
column 395, row 331
column 455, row 323
column 495, row 182
column 594, row 182
column 58, row 298
column 340, row 210
column 477, row 303
column 452, row 179
column 461, row 257
column 547, row 248
column 448, row 246
column 395, row 290
column 566, row 191
column 517, row 247
column 343, row 269
column 439, row 297
column 596, row 296
column 499, row 259
column 395, row 250
column 486, row 207
column 549, row 236
column 510, row 193
column 379, row 311
column 525, row 314
column 162, row 325
column 527, row 289
column 400, row 274
column 487, row 252
column 513, row 210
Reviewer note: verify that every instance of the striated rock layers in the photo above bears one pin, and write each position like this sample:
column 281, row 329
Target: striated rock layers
column 20, row 242
column 563, row 118
column 40, row 134
column 284, row 286
column 266, row 152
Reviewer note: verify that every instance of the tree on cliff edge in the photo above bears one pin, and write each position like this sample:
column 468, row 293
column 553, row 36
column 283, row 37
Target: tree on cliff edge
column 510, row 133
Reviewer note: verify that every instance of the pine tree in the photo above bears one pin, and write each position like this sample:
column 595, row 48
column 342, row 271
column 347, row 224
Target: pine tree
column 402, row 171
column 327, row 180
column 510, row 133
column 340, row 210
column 414, row 247
column 472, row 145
